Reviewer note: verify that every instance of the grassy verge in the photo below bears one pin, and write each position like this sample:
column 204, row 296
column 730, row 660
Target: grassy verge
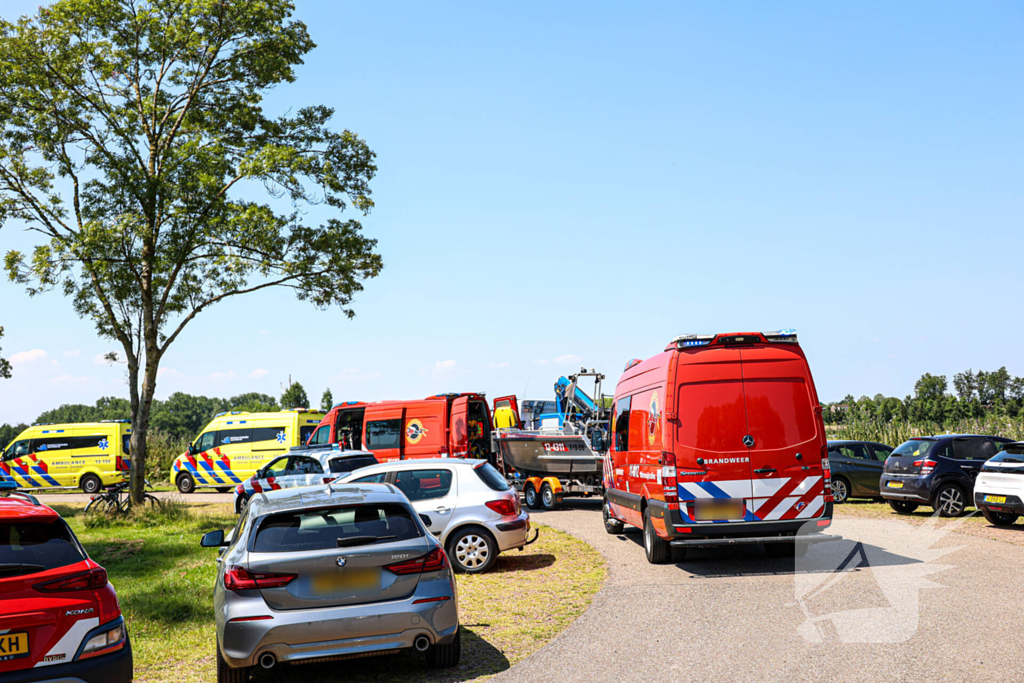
column 165, row 580
column 973, row 523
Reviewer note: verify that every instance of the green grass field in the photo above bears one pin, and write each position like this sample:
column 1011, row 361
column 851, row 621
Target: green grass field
column 164, row 582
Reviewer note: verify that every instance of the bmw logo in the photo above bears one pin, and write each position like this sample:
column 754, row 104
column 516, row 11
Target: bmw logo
column 342, row 561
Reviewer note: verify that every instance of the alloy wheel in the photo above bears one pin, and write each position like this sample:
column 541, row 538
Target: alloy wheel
column 472, row 551
column 951, row 501
column 839, row 491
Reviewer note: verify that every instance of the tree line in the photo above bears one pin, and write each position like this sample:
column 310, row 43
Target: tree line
column 180, row 417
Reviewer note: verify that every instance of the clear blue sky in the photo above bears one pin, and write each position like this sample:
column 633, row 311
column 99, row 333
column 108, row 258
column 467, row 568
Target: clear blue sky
column 580, row 183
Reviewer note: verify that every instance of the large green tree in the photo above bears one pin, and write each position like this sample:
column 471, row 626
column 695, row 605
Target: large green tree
column 134, row 141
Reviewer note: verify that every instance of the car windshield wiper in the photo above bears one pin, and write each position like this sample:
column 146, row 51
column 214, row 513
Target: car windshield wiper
column 19, row 568
column 361, row 540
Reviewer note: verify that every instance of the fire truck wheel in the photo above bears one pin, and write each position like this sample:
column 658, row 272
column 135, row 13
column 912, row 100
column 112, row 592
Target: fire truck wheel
column 530, row 494
column 548, row 498
column 611, row 525
column 655, row 547
column 90, row 483
column 185, row 483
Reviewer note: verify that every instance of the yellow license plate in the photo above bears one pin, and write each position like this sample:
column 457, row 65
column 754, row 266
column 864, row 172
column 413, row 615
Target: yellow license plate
column 995, row 499
column 347, row 580
column 13, row 645
column 895, row 484
column 709, row 511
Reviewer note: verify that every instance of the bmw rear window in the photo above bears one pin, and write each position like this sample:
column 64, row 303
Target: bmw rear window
column 491, row 477
column 335, row 527
column 345, row 465
column 30, row 547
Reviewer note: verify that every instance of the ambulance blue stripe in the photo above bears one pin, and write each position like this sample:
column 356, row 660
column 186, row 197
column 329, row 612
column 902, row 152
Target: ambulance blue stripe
column 211, row 471
column 46, row 477
column 712, row 489
column 195, row 473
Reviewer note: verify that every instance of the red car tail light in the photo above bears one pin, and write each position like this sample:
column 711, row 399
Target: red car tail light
column 431, row 562
column 90, row 580
column 927, row 466
column 668, row 477
column 503, row 506
column 241, row 579
column 826, row 474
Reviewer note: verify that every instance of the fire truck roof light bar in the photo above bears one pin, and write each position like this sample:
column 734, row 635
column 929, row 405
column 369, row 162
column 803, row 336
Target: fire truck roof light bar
column 787, row 335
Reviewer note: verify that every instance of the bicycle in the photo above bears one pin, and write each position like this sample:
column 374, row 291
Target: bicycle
column 117, row 499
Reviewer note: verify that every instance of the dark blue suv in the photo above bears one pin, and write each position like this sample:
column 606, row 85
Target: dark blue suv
column 936, row 470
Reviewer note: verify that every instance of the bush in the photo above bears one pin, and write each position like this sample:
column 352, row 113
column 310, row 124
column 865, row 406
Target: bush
column 162, row 449
column 860, row 427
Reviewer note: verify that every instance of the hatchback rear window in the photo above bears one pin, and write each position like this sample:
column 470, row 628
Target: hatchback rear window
column 491, row 477
column 29, row 547
column 915, row 447
column 340, row 465
column 335, row 527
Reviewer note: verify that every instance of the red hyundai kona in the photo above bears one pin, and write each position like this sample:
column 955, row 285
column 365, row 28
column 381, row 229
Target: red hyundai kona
column 59, row 617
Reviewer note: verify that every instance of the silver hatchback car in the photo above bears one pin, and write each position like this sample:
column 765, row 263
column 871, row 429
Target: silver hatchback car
column 330, row 572
column 467, row 504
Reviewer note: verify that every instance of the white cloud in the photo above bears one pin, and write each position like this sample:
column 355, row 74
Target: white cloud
column 568, row 359
column 24, row 357
column 221, row 376
column 264, row 332
column 540, row 361
column 168, row 373
column 442, row 365
column 68, row 379
column 497, row 366
column 258, row 373
column 72, row 354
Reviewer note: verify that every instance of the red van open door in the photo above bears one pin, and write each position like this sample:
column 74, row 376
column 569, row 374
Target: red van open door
column 508, row 402
column 458, row 434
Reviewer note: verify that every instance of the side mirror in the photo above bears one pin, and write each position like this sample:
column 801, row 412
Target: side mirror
column 213, row 539
column 192, row 450
column 426, row 520
column 597, row 440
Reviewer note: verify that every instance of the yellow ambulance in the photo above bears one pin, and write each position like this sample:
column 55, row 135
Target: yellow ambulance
column 234, row 445
column 88, row 455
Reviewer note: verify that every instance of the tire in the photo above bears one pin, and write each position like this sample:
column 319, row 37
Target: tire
column 611, row 525
column 532, row 499
column 1000, row 518
column 655, row 547
column 222, row 489
column 90, row 483
column 240, row 503
column 548, row 499
column 225, row 674
column 903, row 507
column 472, row 550
column 840, row 486
column 99, row 506
column 185, row 483
column 950, row 501
column 445, row 656
column 150, row 501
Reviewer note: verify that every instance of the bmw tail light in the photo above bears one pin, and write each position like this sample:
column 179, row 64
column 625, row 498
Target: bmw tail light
column 668, row 477
column 241, row 579
column 90, row 580
column 503, row 506
column 433, row 561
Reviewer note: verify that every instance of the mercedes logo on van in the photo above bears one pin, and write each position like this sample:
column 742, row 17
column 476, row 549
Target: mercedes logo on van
column 748, row 441
column 342, row 561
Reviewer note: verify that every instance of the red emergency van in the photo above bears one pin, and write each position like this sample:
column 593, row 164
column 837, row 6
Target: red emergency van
column 719, row 440
column 445, row 425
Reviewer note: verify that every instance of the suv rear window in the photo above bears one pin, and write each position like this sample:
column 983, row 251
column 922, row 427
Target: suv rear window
column 336, row 527
column 342, row 465
column 491, row 477
column 29, row 547
column 915, row 447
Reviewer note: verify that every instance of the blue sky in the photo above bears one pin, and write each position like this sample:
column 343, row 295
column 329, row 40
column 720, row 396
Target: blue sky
column 577, row 184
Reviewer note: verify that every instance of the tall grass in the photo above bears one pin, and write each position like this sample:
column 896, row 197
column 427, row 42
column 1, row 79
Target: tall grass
column 896, row 431
column 161, row 450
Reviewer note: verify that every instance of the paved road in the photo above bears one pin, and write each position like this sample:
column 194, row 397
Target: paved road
column 733, row 614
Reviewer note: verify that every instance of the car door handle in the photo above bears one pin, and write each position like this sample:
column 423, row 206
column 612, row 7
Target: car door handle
column 765, row 470
column 442, row 510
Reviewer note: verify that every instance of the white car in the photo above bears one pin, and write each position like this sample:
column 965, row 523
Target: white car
column 999, row 488
column 467, row 504
column 301, row 467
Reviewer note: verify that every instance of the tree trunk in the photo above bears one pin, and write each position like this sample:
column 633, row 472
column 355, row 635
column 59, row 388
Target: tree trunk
column 140, row 428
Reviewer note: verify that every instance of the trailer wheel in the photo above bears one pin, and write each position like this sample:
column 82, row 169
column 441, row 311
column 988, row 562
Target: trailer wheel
column 530, row 493
column 611, row 525
column 548, row 498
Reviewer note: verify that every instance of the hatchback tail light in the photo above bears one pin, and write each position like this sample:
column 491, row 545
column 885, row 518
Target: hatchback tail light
column 503, row 506
column 431, row 562
column 927, row 466
column 668, row 477
column 241, row 579
column 90, row 580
